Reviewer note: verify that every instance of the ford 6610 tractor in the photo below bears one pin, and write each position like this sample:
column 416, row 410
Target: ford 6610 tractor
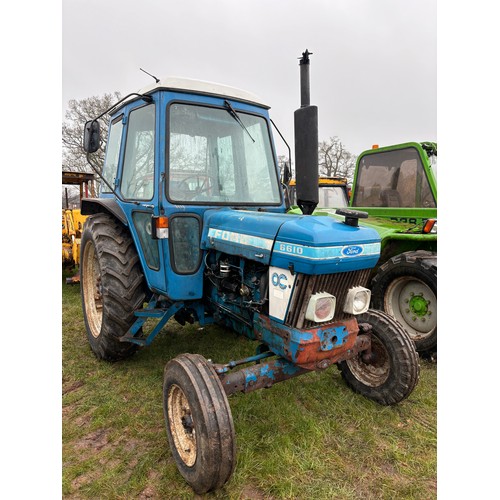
column 191, row 225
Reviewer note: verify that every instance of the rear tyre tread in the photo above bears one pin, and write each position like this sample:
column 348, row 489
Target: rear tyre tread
column 122, row 281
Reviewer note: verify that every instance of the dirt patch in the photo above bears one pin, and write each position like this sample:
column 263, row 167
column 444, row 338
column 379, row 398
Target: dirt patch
column 94, row 441
column 149, row 492
column 252, row 493
column 132, row 445
column 82, row 480
column 67, row 410
column 71, row 386
column 83, row 420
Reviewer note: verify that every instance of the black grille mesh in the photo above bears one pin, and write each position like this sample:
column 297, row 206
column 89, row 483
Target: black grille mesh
column 336, row 284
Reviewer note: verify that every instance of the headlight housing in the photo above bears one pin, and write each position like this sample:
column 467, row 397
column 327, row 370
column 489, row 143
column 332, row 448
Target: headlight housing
column 321, row 307
column 357, row 300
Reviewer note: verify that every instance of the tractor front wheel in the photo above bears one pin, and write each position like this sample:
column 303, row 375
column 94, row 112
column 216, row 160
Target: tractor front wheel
column 112, row 286
column 199, row 424
column 405, row 287
column 389, row 373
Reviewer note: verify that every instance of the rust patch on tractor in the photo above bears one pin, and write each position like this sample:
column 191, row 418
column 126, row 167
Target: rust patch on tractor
column 315, row 348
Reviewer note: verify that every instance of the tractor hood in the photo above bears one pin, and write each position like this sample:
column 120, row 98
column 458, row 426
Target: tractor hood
column 304, row 244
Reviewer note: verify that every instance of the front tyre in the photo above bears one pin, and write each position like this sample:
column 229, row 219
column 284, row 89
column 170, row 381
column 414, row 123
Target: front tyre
column 112, row 286
column 391, row 373
column 199, row 423
column 405, row 287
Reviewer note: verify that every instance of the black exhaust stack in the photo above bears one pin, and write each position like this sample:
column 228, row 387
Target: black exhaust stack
column 306, row 143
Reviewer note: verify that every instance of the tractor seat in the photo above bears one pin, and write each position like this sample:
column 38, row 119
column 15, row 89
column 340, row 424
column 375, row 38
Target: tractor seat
column 390, row 198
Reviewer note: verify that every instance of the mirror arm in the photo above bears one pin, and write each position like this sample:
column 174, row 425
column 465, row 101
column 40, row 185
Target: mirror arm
column 146, row 98
column 286, row 143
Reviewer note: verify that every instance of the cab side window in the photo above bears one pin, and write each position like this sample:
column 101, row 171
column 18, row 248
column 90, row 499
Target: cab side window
column 112, row 154
column 138, row 164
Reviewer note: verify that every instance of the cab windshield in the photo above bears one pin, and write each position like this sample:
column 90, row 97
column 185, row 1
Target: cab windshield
column 393, row 179
column 214, row 158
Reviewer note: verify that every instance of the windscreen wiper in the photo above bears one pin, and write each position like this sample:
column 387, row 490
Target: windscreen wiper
column 233, row 113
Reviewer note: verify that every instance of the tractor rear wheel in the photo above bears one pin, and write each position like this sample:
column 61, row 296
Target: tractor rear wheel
column 199, row 423
column 391, row 372
column 112, row 286
column 405, row 287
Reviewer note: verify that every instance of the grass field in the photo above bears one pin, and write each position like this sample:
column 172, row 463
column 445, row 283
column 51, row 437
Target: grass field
column 307, row 438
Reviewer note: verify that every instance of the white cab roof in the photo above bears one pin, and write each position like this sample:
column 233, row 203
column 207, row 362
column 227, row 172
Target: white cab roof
column 203, row 87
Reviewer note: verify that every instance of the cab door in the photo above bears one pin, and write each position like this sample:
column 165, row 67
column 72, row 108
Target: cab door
column 138, row 182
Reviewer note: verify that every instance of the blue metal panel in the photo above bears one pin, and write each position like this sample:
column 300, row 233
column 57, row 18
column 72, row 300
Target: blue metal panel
column 312, row 245
column 242, row 232
column 321, row 245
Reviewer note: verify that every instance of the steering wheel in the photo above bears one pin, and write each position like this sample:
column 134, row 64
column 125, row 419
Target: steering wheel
column 207, row 183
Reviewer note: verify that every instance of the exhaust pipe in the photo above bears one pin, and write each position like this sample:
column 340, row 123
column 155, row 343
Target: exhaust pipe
column 306, row 143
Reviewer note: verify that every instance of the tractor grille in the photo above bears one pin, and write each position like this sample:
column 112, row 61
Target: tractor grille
column 336, row 284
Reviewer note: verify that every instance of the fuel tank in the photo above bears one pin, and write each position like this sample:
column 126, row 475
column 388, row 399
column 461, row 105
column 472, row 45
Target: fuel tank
column 302, row 243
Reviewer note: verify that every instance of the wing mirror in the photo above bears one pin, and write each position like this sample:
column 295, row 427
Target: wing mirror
column 91, row 136
column 287, row 174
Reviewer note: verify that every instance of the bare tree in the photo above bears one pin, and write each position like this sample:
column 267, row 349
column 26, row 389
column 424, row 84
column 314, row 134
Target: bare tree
column 74, row 157
column 334, row 159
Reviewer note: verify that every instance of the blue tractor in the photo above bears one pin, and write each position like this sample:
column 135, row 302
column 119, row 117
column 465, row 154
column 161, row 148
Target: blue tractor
column 191, row 225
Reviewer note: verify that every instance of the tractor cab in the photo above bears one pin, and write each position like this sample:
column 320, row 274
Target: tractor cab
column 175, row 150
column 397, row 177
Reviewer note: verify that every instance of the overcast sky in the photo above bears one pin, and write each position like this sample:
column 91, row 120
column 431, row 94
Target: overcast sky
column 373, row 68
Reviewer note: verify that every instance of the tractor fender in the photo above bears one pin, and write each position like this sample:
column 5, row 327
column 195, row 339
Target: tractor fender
column 103, row 205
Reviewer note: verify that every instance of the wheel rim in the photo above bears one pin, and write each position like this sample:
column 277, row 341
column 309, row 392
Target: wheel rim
column 414, row 305
column 181, row 425
column 92, row 289
column 375, row 372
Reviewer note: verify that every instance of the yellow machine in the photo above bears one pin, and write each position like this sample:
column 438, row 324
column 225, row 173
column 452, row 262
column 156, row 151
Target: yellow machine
column 72, row 222
column 333, row 192
column 72, row 225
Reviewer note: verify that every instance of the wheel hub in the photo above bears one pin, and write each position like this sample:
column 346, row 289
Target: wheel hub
column 187, row 422
column 418, row 305
column 372, row 369
column 182, row 425
column 414, row 305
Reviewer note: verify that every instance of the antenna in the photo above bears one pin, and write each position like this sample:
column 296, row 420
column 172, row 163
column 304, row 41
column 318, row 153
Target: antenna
column 152, row 76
